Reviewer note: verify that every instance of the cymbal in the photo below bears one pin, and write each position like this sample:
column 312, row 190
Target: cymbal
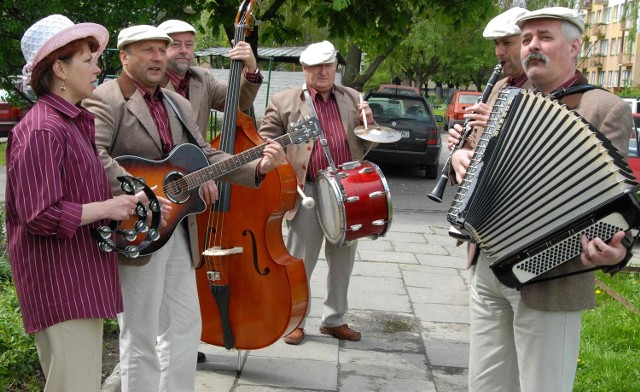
column 377, row 134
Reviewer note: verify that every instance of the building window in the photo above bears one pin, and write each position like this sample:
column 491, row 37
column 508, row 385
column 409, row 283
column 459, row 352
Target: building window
column 604, row 48
column 626, row 77
column 614, row 48
column 601, row 78
column 607, row 13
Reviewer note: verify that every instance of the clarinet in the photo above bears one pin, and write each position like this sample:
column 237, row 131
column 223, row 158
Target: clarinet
column 438, row 190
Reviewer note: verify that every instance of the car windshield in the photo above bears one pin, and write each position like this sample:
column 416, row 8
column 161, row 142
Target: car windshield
column 468, row 99
column 410, row 108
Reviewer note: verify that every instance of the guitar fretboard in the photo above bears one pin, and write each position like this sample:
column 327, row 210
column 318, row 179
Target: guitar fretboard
column 218, row 169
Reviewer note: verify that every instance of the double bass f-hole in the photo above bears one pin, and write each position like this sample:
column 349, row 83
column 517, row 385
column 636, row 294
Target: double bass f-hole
column 254, row 253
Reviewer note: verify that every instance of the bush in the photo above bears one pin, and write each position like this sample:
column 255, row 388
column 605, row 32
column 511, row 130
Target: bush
column 18, row 355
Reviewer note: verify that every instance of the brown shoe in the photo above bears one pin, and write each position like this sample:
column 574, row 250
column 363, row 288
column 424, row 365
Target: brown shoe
column 342, row 332
column 295, row 337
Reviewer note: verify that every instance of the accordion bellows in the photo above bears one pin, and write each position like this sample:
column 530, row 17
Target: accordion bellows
column 540, row 177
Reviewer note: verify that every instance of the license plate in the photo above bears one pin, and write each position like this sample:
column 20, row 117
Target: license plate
column 405, row 134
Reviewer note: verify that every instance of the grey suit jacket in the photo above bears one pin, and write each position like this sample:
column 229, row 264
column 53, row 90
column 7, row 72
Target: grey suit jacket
column 290, row 106
column 206, row 93
column 124, row 126
column 611, row 116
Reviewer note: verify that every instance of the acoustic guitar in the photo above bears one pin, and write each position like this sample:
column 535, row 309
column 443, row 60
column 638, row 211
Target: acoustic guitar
column 179, row 176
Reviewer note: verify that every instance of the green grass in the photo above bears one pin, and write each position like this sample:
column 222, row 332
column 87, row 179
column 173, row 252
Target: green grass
column 440, row 112
column 610, row 342
column 3, row 150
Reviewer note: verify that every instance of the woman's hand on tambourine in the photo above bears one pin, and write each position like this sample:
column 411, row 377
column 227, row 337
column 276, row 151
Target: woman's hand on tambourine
column 118, row 208
column 165, row 206
column 597, row 252
column 272, row 156
column 460, row 161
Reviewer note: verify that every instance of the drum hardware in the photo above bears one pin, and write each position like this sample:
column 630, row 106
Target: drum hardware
column 352, row 199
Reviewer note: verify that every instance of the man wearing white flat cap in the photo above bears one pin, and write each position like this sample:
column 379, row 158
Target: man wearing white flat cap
column 198, row 84
column 339, row 112
column 135, row 116
column 505, row 33
column 528, row 340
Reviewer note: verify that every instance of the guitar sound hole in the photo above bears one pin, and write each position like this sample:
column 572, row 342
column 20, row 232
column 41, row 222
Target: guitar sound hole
column 176, row 188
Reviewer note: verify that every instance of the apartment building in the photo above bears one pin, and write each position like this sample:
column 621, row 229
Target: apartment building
column 610, row 43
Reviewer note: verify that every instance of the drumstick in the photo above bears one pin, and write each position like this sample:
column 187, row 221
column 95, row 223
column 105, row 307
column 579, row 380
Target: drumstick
column 364, row 114
column 307, row 202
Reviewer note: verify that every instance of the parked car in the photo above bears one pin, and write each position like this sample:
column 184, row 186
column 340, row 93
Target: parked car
column 9, row 115
column 634, row 151
column 458, row 102
column 412, row 116
column 399, row 89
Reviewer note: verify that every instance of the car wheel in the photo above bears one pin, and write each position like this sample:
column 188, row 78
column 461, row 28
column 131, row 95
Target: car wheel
column 431, row 171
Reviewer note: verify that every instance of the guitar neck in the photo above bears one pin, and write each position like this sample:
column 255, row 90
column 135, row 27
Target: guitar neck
column 219, row 169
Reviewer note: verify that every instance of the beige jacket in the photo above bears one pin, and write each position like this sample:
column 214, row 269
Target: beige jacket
column 290, row 106
column 125, row 127
column 206, row 93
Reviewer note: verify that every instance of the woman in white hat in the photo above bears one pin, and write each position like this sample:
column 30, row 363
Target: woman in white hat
column 57, row 190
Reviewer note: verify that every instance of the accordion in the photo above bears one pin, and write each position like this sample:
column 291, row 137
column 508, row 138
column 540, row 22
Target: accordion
column 540, row 178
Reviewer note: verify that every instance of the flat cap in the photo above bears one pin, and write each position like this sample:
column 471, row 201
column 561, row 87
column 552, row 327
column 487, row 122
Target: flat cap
column 173, row 26
column 504, row 25
column 319, row 53
column 141, row 33
column 562, row 13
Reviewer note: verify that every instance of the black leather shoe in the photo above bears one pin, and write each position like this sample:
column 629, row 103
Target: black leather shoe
column 201, row 357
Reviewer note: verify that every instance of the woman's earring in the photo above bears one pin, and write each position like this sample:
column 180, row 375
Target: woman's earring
column 63, row 87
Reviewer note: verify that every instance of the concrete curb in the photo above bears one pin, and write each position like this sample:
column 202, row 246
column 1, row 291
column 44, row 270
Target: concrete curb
column 112, row 383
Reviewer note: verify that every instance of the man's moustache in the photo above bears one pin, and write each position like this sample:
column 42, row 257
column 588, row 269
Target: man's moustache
column 536, row 56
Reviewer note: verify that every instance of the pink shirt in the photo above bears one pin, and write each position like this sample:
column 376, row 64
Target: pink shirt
column 52, row 169
column 158, row 113
column 334, row 131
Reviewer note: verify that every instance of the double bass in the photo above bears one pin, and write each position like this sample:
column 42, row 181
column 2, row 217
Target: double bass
column 252, row 290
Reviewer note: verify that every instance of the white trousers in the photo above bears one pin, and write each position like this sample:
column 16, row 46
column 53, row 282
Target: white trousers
column 70, row 353
column 160, row 326
column 515, row 348
column 304, row 241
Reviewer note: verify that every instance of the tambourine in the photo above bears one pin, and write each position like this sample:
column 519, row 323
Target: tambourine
column 128, row 241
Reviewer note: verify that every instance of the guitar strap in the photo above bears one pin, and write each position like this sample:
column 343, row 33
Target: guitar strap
column 192, row 139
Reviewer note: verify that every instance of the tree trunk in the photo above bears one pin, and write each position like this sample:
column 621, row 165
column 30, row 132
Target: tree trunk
column 352, row 68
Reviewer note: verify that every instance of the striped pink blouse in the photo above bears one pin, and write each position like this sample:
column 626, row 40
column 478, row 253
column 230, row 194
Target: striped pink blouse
column 52, row 169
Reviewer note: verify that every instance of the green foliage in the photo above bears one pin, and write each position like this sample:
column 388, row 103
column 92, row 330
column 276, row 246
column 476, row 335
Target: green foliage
column 5, row 269
column 610, row 340
column 18, row 15
column 18, row 356
column 630, row 92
